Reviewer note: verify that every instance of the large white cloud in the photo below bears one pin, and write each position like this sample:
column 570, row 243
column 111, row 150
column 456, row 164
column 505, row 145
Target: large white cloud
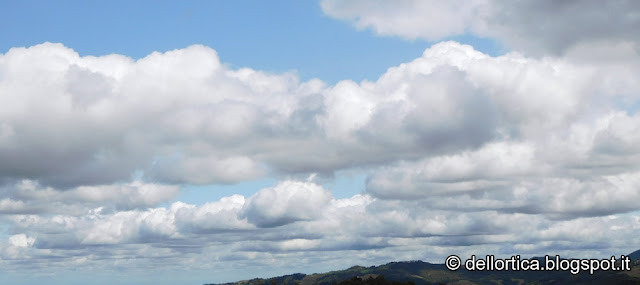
column 179, row 116
column 70, row 120
column 182, row 117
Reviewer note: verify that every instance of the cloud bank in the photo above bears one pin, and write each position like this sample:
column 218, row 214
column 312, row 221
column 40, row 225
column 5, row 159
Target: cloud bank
column 465, row 153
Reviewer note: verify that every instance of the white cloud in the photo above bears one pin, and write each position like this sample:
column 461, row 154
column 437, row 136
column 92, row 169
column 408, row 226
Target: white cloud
column 8, row 205
column 212, row 217
column 411, row 19
column 69, row 120
column 368, row 228
column 285, row 203
column 29, row 197
column 21, row 240
column 533, row 26
column 210, row 124
column 465, row 152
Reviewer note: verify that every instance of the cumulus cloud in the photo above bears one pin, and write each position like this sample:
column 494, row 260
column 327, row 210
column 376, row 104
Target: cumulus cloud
column 481, row 169
column 286, row 203
column 586, row 171
column 464, row 152
column 211, row 124
column 368, row 227
column 182, row 117
column 218, row 216
column 532, row 26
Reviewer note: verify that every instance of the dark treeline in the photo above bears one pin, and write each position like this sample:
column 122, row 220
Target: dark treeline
column 379, row 280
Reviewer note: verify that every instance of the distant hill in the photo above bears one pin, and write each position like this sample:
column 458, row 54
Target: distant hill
column 419, row 272
column 635, row 255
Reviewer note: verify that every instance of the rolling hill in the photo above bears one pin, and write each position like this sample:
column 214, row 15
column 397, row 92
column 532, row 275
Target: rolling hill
column 419, row 272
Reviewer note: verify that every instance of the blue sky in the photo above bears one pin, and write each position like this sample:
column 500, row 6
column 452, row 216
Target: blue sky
column 210, row 141
column 272, row 36
column 275, row 36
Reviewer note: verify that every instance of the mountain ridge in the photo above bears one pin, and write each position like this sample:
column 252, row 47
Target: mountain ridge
column 420, row 272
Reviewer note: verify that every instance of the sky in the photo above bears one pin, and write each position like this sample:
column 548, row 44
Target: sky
column 159, row 142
